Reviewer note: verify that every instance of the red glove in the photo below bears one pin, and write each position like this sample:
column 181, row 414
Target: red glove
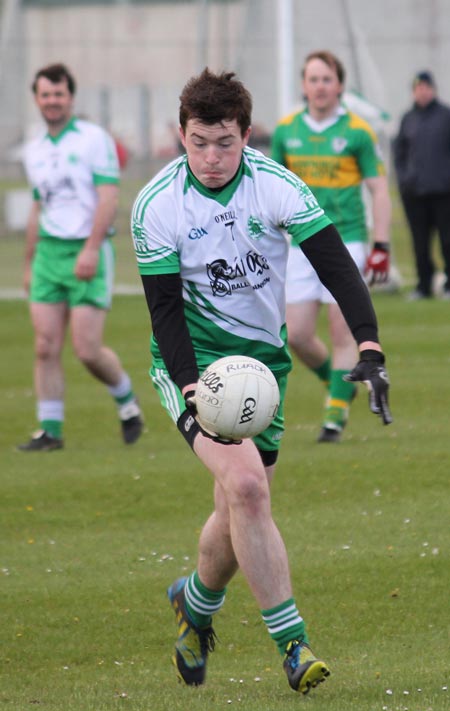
column 377, row 265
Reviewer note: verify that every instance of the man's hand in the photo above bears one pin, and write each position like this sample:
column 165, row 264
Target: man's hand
column 87, row 263
column 377, row 265
column 370, row 370
column 191, row 405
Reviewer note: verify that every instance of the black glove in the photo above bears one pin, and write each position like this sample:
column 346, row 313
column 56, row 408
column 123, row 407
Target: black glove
column 191, row 405
column 370, row 370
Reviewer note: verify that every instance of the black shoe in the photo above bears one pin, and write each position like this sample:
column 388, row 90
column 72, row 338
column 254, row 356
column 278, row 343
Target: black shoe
column 304, row 671
column 41, row 441
column 330, row 434
column 193, row 643
column 131, row 421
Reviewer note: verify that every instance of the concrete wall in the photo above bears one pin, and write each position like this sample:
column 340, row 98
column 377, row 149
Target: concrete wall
column 143, row 54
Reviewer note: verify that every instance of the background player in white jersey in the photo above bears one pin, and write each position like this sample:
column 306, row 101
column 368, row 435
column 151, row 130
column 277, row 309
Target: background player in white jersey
column 335, row 152
column 69, row 260
column 210, row 233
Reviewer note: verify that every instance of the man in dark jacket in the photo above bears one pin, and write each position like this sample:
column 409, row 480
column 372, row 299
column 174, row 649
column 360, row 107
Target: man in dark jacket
column 422, row 163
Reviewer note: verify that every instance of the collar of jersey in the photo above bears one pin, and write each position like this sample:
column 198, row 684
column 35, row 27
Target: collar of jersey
column 70, row 126
column 224, row 195
column 320, row 126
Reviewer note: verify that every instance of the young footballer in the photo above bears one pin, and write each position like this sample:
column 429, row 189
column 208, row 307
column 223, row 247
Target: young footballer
column 210, row 234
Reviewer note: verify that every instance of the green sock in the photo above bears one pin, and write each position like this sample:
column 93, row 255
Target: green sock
column 125, row 398
column 285, row 624
column 52, row 427
column 341, row 395
column 201, row 602
column 323, row 372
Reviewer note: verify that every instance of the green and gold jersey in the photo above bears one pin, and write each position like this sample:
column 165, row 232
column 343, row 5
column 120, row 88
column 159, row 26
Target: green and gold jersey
column 230, row 248
column 333, row 158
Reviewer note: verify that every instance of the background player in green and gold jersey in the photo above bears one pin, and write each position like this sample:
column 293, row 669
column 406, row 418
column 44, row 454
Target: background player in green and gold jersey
column 335, row 152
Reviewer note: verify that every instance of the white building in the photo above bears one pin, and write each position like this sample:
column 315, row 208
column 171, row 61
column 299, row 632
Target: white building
column 131, row 58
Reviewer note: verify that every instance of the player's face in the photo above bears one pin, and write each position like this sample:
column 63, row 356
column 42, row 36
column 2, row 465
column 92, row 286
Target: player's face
column 214, row 151
column 55, row 102
column 321, row 87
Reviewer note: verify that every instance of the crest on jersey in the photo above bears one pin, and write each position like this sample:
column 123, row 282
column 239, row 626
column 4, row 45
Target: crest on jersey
column 139, row 238
column 308, row 197
column 338, row 144
column 256, row 229
column 294, row 143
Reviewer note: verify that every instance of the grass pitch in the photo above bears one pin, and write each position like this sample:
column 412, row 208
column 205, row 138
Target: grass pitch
column 91, row 536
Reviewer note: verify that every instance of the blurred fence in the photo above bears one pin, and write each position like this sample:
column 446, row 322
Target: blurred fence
column 132, row 58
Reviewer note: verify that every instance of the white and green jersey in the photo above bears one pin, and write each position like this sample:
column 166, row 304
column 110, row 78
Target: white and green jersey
column 64, row 171
column 230, row 248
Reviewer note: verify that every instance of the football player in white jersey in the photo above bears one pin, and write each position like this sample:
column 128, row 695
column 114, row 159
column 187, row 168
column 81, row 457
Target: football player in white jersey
column 73, row 171
column 210, row 234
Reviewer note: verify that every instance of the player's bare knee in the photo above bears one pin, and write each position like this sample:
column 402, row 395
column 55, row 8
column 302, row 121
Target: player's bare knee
column 248, row 489
column 87, row 353
column 301, row 340
column 45, row 348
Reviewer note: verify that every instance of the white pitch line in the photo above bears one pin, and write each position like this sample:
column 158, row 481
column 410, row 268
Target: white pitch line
column 13, row 294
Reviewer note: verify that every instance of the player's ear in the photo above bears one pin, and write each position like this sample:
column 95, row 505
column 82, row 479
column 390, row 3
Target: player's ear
column 182, row 136
column 246, row 136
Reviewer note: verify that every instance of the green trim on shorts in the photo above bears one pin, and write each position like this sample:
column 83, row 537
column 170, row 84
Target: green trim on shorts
column 53, row 279
column 173, row 402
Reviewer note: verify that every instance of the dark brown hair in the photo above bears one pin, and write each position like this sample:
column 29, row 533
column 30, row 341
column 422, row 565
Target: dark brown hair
column 330, row 60
column 214, row 98
column 55, row 73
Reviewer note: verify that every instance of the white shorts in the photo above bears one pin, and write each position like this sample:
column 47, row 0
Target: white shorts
column 302, row 282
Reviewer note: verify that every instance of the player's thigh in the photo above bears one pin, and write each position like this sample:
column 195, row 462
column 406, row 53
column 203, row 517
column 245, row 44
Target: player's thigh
column 339, row 331
column 302, row 282
column 49, row 322
column 87, row 326
column 237, row 468
column 301, row 320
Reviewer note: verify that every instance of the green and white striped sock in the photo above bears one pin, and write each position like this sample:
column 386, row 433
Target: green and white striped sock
column 201, row 602
column 285, row 624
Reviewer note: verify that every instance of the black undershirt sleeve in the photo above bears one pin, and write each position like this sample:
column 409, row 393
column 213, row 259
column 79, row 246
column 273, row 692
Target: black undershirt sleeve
column 339, row 273
column 164, row 294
